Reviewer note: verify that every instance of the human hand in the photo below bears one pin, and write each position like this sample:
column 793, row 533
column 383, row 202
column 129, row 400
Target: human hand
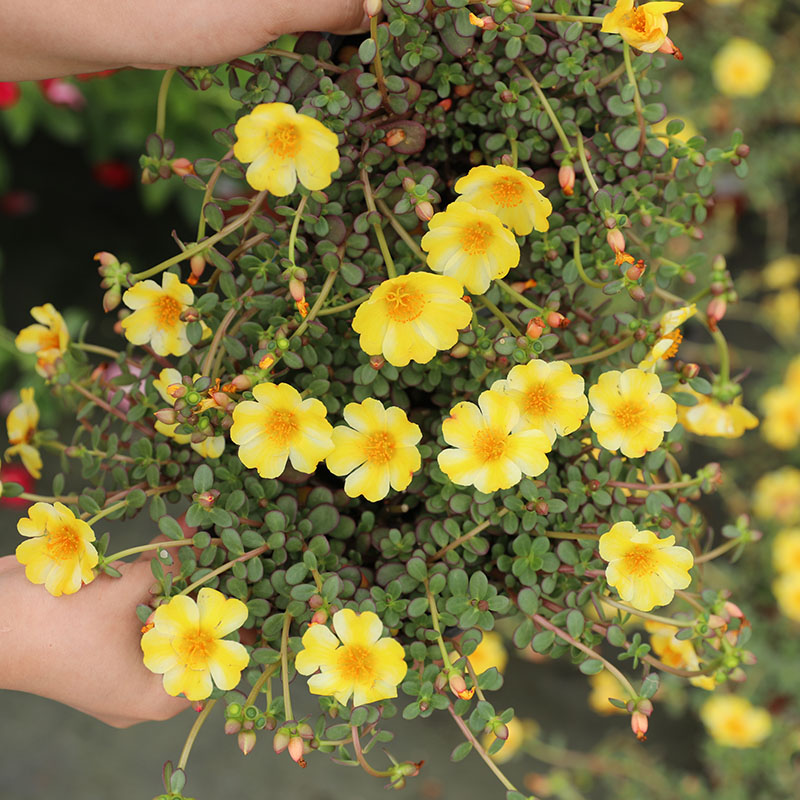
column 61, row 37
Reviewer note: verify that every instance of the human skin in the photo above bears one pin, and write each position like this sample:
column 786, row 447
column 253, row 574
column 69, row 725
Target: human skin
column 64, row 37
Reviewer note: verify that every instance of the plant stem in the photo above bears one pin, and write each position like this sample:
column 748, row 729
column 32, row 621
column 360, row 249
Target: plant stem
column 576, row 250
column 570, row 535
column 724, row 354
column 161, row 106
column 435, row 620
column 626, row 342
column 207, row 195
column 109, row 408
column 504, row 320
column 471, row 670
column 94, row 348
column 295, row 225
column 678, row 623
column 565, row 17
column 514, row 153
column 382, row 243
column 143, row 548
column 287, row 700
column 262, row 679
column 465, row 537
column 226, row 566
column 717, row 551
column 344, row 307
column 400, row 230
column 585, row 163
column 546, row 104
column 276, row 51
column 42, row 498
column 637, row 98
column 468, row 735
column 198, row 723
column 511, row 292
column 106, row 511
column 365, row 765
column 220, row 332
column 377, row 63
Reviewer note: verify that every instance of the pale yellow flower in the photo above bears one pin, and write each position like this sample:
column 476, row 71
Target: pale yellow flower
column 781, row 273
column 59, row 552
column 487, row 451
column 187, row 646
column 21, row 425
column 377, row 451
column 631, row 413
column 712, row 417
column 489, row 653
column 644, row 569
column 285, row 147
column 786, row 550
column 156, row 317
column 210, row 447
column 518, row 732
column 742, row 68
column 278, row 426
column 411, row 317
column 786, row 589
column 782, row 313
column 604, row 685
column 49, row 338
column 549, row 396
column 678, row 653
column 355, row 661
column 733, row 722
column 166, row 378
column 781, row 406
column 470, row 245
column 643, row 27
column 777, row 496
column 512, row 196
column 669, row 337
column 792, row 376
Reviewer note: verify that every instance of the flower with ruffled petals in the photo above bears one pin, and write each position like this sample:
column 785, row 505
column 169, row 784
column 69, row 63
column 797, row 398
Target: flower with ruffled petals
column 643, row 27
column 283, row 147
column 631, row 413
column 678, row 653
column 156, row 317
column 488, row 451
column 355, row 661
column 410, row 317
column 377, row 451
column 187, row 646
column 549, row 396
column 278, row 426
column 470, row 245
column 669, row 337
column 59, row 552
column 644, row 569
column 512, row 196
column 742, row 68
column 21, row 425
column 777, row 496
column 712, row 417
column 734, row 722
column 49, row 338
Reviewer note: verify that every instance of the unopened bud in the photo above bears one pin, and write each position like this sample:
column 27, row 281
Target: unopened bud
column 148, row 177
column 316, row 601
column 501, row 732
column 207, row 499
column 246, row 741
column 556, row 319
column 743, row 150
column 566, row 179
column 521, row 6
column 616, row 240
column 507, row 96
column 637, row 293
column 639, row 725
column 535, row 328
column 281, row 740
column 372, row 7
column 112, row 298
column 232, row 726
column 182, row 166
column 458, row 686
column 461, row 350
column 732, row 610
column 715, row 311
column 409, row 184
column 242, row 382
column 320, row 617
column 305, row 731
column 394, row 137
column 166, row 415
column 669, row 48
column 296, row 749
column 197, row 265
column 297, row 290
column 690, row 370
column 424, row 210
column 105, row 258
column 377, row 362
column 635, row 271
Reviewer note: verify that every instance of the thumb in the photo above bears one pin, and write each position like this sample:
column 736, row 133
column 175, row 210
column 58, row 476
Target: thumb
column 334, row 16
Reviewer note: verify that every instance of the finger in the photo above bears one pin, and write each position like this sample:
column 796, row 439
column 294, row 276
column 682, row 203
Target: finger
column 334, row 16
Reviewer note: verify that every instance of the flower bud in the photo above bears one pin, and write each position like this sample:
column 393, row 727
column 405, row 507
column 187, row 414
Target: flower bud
column 715, row 311
column 460, row 350
column 166, row 415
column 669, row 48
column 320, row 617
column 521, row 6
column 305, row 731
column 424, row 210
column 409, row 184
column 556, row 319
column 207, row 499
column 639, row 725
column 377, row 362
column 246, row 741
column 372, row 7
column 281, row 740
column 182, row 166
column 535, row 328
column 112, row 298
column 690, row 371
column 458, row 686
column 616, row 240
column 501, row 731
column 732, row 610
column 637, row 293
column 232, row 726
column 296, row 749
column 105, row 258
column 566, row 179
column 394, row 137
column 507, row 96
column 242, row 382
column 743, row 150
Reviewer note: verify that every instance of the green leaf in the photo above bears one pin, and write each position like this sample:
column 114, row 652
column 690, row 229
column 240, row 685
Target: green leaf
column 203, row 478
column 461, row 751
column 170, row 527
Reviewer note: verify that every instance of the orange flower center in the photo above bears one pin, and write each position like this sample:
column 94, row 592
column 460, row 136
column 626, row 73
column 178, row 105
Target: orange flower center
column 49, row 341
column 285, row 141
column 637, row 19
column 507, row 192
column 489, row 444
column 404, row 304
column 640, row 560
column 63, row 543
column 168, row 311
column 629, row 414
column 195, row 648
column 282, row 427
column 539, row 401
column 356, row 663
column 380, row 447
column 677, row 337
column 735, row 728
column 476, row 238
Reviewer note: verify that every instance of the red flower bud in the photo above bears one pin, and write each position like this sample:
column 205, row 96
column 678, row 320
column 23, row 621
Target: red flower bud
column 566, row 179
column 246, row 741
column 297, row 290
column 616, row 240
column 424, row 210
column 182, row 166
column 639, row 725
column 555, row 319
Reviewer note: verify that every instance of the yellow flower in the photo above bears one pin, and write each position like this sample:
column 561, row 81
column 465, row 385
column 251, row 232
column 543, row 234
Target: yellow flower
column 285, row 147
column 631, row 413
column 786, row 550
column 410, row 317
column 166, row 378
column 777, row 496
column 355, row 661
column 512, row 196
column 470, row 245
column 782, row 313
column 644, row 569
column 605, row 685
column 687, row 132
column 187, row 646
column 711, row 417
column 782, row 273
column 157, row 313
column 643, row 27
column 549, row 397
column 210, row 447
column 59, row 552
column 376, row 451
column 792, row 377
column 489, row 653
column 669, row 337
column 781, row 406
column 786, row 589
column 734, row 722
column 742, row 68
column 21, row 426
column 678, row 653
column 48, row 339
column 485, row 453
column 518, row 732
column 279, row 426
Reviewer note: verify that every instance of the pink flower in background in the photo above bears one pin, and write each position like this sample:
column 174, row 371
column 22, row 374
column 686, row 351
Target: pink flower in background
column 9, row 94
column 62, row 93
